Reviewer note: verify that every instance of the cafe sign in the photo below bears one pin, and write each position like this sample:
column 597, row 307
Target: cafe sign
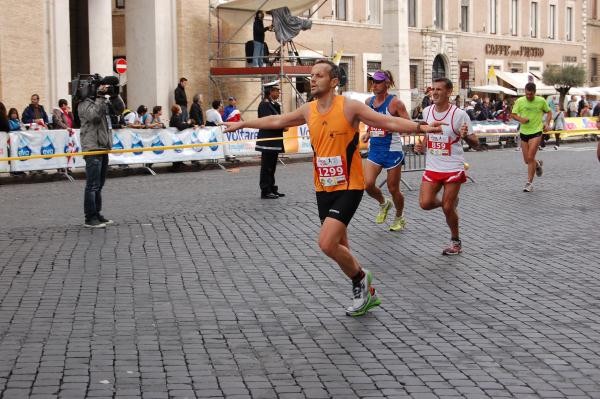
column 509, row 51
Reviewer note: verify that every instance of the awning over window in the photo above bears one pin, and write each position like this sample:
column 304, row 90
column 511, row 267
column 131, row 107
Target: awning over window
column 296, row 7
column 518, row 80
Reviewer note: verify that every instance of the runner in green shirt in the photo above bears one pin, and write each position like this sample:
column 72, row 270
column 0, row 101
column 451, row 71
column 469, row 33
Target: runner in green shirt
column 529, row 112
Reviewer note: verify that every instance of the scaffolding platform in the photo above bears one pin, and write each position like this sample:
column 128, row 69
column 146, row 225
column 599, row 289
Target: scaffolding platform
column 289, row 70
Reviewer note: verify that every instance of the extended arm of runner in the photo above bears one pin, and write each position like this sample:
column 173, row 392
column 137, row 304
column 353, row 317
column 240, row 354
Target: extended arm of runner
column 388, row 123
column 294, row 118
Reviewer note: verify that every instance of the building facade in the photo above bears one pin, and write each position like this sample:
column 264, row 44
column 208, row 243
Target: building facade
column 44, row 44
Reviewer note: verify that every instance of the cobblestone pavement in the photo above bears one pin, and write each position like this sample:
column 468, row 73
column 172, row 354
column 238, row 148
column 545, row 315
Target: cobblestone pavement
column 204, row 290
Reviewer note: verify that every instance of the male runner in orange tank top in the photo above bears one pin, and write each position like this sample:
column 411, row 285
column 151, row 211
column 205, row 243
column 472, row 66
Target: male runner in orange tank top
column 334, row 135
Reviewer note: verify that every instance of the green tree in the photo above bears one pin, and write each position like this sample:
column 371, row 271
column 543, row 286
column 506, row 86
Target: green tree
column 563, row 78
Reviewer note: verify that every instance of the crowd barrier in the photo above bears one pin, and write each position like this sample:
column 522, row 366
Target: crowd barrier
column 44, row 149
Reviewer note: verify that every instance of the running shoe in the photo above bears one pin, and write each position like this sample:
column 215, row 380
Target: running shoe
column 383, row 211
column 375, row 300
column 398, row 224
column 361, row 294
column 528, row 187
column 538, row 169
column 454, row 249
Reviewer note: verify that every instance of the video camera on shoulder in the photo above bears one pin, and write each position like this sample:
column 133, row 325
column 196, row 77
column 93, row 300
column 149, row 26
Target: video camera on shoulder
column 86, row 86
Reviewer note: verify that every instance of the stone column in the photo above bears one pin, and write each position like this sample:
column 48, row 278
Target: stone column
column 394, row 46
column 151, row 48
column 59, row 51
column 100, row 36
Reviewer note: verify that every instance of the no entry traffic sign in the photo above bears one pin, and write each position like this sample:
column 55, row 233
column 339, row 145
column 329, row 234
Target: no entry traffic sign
column 121, row 66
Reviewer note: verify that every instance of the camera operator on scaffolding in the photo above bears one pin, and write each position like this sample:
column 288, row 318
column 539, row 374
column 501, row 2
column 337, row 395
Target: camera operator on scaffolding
column 96, row 134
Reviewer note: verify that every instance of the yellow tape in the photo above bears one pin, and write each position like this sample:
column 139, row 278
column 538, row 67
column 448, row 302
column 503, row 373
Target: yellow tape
column 157, row 148
column 195, row 145
column 577, row 132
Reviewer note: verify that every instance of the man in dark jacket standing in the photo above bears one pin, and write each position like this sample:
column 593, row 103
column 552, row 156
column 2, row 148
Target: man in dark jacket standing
column 181, row 98
column 269, row 149
column 96, row 134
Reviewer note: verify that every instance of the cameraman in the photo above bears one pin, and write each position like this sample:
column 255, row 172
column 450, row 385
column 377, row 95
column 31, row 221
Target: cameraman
column 96, row 134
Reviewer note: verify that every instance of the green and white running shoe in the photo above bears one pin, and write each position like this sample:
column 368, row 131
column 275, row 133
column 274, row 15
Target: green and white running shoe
column 383, row 211
column 398, row 224
column 364, row 297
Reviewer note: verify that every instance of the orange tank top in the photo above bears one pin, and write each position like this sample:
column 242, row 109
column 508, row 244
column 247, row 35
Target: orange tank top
column 337, row 162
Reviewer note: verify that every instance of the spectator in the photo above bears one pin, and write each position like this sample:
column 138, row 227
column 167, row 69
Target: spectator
column 458, row 101
column 585, row 111
column 143, row 115
column 559, row 124
column 177, row 119
column 231, row 113
column 470, row 110
column 131, row 119
column 213, row 115
column 229, row 108
column 196, row 114
column 596, row 111
column 572, row 107
column 14, row 123
column 582, row 103
column 181, row 97
column 258, row 36
column 4, row 127
column 426, row 102
column 35, row 113
column 417, row 112
column 10, row 122
column 62, row 117
column 154, row 120
column 180, row 123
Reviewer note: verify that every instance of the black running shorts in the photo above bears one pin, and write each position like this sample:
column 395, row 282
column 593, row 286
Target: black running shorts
column 339, row 205
column 527, row 137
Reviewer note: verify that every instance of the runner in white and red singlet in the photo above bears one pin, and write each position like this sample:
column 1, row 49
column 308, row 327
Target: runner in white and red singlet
column 445, row 161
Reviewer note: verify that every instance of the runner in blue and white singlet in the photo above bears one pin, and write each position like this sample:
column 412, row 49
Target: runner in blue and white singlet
column 385, row 151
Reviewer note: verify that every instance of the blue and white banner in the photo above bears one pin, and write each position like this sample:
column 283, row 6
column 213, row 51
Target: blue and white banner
column 38, row 142
column 138, row 138
column 4, row 166
column 241, row 148
column 304, row 146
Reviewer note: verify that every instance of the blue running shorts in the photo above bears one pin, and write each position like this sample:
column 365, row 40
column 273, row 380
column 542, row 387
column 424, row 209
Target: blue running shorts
column 386, row 159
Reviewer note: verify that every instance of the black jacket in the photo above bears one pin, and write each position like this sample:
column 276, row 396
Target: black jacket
column 268, row 108
column 180, row 96
column 196, row 114
column 177, row 122
column 258, row 30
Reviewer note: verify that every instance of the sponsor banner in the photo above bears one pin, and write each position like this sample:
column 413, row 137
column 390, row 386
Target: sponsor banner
column 38, row 142
column 139, row 138
column 303, row 141
column 241, row 148
column 4, row 167
column 510, row 128
column 580, row 123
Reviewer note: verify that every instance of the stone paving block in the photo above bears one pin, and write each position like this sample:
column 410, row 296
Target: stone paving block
column 203, row 289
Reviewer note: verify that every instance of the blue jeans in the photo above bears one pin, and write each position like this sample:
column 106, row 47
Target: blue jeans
column 96, row 167
column 257, row 55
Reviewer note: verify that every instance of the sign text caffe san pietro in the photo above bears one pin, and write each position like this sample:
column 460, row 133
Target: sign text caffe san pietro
column 510, row 51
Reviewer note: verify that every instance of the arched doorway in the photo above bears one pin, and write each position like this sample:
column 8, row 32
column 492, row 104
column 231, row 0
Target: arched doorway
column 439, row 67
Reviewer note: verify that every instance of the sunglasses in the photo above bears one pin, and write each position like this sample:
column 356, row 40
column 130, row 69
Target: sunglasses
column 378, row 81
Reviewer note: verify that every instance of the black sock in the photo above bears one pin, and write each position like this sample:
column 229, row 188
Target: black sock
column 455, row 239
column 359, row 276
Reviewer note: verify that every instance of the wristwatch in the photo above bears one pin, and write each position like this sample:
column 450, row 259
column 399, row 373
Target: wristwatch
column 419, row 124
